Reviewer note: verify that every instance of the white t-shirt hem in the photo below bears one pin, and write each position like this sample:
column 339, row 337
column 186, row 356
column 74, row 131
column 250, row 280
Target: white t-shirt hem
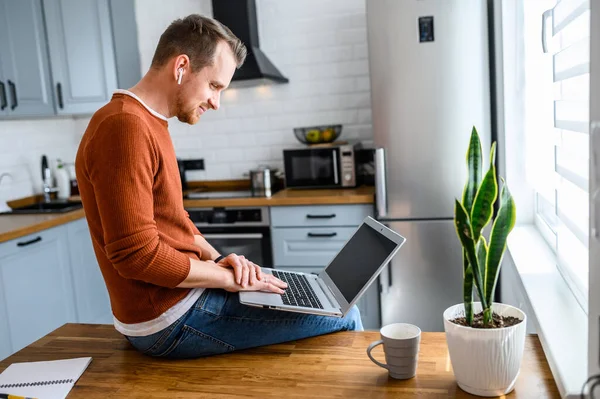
column 163, row 321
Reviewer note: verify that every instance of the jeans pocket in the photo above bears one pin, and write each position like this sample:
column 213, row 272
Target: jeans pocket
column 213, row 301
column 193, row 343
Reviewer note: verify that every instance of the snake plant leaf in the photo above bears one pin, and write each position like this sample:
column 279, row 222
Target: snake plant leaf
column 483, row 205
column 468, row 294
column 482, row 250
column 465, row 235
column 474, row 167
column 504, row 223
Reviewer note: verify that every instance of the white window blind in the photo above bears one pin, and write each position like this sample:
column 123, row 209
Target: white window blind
column 565, row 207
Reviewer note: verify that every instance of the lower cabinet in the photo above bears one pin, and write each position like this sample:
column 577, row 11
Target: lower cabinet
column 48, row 279
column 5, row 344
column 306, row 238
column 91, row 296
column 36, row 287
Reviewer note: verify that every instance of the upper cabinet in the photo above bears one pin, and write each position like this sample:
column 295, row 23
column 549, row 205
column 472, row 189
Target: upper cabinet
column 65, row 57
column 24, row 73
column 81, row 54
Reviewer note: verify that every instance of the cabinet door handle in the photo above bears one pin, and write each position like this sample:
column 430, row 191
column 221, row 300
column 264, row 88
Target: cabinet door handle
column 322, row 234
column 4, row 103
column 59, row 95
column 26, row 243
column 13, row 93
column 309, row 216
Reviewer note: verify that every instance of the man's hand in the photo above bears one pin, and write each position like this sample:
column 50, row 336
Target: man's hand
column 249, row 277
column 269, row 283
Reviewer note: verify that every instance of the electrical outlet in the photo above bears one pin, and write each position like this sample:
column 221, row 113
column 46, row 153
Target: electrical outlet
column 193, row 164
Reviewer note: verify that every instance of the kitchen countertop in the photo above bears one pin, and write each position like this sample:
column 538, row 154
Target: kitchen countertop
column 360, row 195
column 334, row 365
column 16, row 226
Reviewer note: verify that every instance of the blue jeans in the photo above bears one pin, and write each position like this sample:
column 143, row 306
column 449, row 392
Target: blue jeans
column 218, row 323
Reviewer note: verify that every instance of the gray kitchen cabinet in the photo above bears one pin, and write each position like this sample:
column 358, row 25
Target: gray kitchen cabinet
column 25, row 88
column 4, row 101
column 306, row 238
column 319, row 215
column 36, row 286
column 314, row 246
column 5, row 345
column 127, row 54
column 81, row 54
column 91, row 296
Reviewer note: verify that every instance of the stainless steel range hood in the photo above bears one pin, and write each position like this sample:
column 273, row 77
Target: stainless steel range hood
column 240, row 17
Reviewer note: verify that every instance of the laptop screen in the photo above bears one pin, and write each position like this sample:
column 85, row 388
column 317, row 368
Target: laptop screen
column 354, row 265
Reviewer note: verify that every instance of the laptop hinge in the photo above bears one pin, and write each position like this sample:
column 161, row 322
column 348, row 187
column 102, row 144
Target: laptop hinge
column 328, row 293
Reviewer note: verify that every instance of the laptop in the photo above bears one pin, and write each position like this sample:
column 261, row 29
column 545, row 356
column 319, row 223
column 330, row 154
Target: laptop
column 344, row 280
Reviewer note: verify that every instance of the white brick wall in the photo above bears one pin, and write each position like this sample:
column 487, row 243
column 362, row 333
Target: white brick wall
column 320, row 45
column 22, row 144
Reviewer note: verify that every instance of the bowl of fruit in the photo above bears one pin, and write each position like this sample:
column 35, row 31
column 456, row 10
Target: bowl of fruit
column 318, row 134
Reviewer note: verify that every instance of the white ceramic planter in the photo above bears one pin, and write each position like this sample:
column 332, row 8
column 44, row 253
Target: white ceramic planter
column 486, row 362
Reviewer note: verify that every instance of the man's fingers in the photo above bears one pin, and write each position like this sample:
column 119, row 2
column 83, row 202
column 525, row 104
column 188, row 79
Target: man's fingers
column 237, row 266
column 273, row 288
column 245, row 271
column 253, row 273
column 273, row 284
column 258, row 272
column 277, row 282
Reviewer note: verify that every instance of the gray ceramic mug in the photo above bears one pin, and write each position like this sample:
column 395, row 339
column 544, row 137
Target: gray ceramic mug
column 401, row 346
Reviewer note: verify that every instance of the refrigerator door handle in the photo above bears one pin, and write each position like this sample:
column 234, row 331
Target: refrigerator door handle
column 547, row 14
column 380, row 184
column 385, row 282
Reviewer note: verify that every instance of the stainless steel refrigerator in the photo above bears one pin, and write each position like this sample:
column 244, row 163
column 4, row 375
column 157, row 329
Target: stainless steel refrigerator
column 429, row 72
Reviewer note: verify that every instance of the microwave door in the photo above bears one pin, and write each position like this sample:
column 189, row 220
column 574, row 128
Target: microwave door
column 316, row 167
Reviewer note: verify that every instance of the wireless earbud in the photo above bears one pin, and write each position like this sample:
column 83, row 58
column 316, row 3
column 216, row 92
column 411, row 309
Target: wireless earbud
column 179, row 75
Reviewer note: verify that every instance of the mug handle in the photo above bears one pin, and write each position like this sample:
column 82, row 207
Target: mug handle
column 370, row 348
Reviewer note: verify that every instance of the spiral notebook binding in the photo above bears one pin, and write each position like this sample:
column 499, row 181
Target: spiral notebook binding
column 37, row 384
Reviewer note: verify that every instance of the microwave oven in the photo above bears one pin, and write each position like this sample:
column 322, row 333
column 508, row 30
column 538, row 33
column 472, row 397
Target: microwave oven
column 330, row 166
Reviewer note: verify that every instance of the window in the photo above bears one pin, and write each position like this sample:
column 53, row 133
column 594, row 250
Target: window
column 556, row 123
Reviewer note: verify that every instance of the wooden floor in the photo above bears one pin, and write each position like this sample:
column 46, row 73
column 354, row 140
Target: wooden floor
column 331, row 366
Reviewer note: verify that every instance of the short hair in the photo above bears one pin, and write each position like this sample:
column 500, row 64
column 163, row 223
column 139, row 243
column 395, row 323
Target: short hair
column 197, row 36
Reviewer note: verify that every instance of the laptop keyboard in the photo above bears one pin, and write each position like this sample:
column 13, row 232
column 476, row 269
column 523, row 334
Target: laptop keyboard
column 299, row 292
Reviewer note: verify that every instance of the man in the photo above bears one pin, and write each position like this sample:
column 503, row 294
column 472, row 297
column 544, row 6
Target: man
column 172, row 294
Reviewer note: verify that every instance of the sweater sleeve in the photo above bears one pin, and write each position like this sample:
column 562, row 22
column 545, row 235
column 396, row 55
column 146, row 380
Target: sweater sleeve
column 194, row 228
column 122, row 160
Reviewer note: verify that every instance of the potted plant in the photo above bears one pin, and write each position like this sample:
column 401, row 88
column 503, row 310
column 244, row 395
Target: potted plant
column 485, row 339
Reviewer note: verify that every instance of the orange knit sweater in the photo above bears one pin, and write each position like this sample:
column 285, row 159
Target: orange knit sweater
column 131, row 192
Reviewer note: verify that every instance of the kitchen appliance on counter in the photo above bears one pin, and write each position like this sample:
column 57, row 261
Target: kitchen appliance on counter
column 243, row 231
column 264, row 181
column 321, row 166
column 185, row 165
column 427, row 92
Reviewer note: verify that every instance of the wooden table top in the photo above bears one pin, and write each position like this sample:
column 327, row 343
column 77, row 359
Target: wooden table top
column 334, row 365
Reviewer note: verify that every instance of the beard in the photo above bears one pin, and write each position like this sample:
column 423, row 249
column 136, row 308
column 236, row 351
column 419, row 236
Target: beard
column 184, row 113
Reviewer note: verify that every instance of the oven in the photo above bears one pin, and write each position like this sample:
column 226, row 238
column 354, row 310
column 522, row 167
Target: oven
column 243, row 231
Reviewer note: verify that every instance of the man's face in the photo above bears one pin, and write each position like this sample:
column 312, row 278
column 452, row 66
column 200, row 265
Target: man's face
column 201, row 91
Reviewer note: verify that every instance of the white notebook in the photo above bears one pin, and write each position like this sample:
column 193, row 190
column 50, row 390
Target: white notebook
column 43, row 380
